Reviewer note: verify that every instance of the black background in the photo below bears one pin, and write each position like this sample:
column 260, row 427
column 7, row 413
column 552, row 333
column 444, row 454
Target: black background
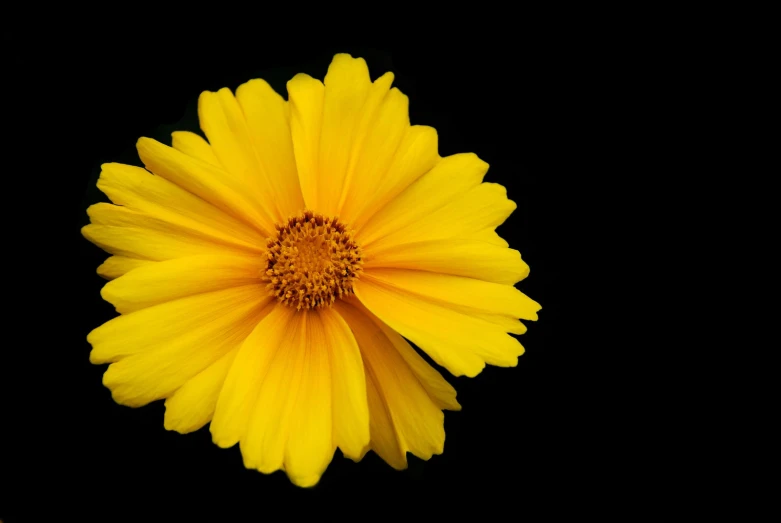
column 574, row 430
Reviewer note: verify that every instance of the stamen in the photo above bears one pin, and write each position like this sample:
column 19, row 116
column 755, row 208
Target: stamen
column 312, row 261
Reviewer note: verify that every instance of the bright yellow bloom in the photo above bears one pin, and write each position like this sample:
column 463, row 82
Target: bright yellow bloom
column 265, row 279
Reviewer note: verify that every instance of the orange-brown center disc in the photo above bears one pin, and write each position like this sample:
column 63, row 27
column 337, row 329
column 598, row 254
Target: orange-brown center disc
column 312, row 261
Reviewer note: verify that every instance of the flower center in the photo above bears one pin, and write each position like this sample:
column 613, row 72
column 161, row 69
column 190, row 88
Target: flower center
column 312, row 260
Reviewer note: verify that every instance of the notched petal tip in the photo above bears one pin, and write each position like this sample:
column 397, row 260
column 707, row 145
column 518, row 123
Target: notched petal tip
column 222, row 442
column 358, row 457
column 143, row 145
column 125, row 402
column 305, row 481
column 345, row 58
column 481, row 165
column 398, row 463
column 102, row 272
column 451, row 403
column 471, row 372
column 207, row 95
column 303, row 79
column 425, row 134
column 260, row 82
column 255, row 83
column 178, row 136
column 522, row 269
column 107, row 167
column 220, row 96
column 91, row 336
column 512, row 364
column 117, row 395
column 170, row 424
column 501, row 195
column 387, row 78
column 179, row 426
column 107, row 293
column 535, row 308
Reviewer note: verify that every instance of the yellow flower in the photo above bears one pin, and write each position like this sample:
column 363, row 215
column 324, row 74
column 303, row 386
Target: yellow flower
column 265, row 278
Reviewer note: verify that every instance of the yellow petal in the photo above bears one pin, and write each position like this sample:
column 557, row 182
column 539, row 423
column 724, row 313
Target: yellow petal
column 145, row 330
column 246, row 375
column 284, row 357
column 116, row 266
column 159, row 348
column 268, row 121
column 351, row 411
column 404, row 414
column 306, row 116
column 223, row 122
column 354, row 147
column 482, row 208
column 416, row 155
column 139, row 190
column 463, row 293
column 385, row 438
column 311, row 397
column 459, row 342
column 499, row 304
column 440, row 391
column 168, row 280
column 507, row 323
column 129, row 233
column 347, row 86
column 192, row 406
column 209, row 182
column 310, row 445
column 193, row 145
column 381, row 127
column 451, row 177
column 459, row 257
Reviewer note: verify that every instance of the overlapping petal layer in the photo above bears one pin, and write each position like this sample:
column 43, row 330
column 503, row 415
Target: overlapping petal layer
column 198, row 327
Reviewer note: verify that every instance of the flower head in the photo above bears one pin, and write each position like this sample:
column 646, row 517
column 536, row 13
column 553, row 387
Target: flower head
column 266, row 280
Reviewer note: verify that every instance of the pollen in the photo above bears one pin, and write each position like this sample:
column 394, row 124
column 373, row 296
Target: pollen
column 312, row 261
